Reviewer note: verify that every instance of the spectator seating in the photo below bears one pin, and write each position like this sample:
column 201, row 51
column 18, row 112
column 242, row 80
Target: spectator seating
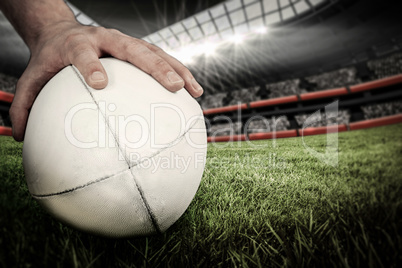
column 225, row 129
column 212, row 101
column 339, row 78
column 259, row 124
column 382, row 109
column 318, row 120
column 284, row 88
column 385, row 67
column 244, row 95
column 7, row 83
column 330, row 80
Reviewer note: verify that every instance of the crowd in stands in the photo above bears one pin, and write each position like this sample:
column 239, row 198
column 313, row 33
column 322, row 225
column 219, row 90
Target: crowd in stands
column 284, row 88
column 261, row 124
column 339, row 78
column 211, row 101
column 241, row 96
column 254, row 125
column 343, row 77
column 348, row 76
column 7, row 83
column 382, row 109
column 225, row 129
column 320, row 119
column 385, row 67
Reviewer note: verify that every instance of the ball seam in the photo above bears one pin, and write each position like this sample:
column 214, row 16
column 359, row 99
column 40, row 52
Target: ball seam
column 151, row 214
column 142, row 196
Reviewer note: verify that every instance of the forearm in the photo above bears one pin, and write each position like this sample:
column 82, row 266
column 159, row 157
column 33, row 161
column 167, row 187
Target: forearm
column 31, row 17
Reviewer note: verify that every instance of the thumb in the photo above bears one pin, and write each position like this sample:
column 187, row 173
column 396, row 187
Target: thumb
column 28, row 87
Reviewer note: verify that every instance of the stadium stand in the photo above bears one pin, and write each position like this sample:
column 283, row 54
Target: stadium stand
column 284, row 88
column 355, row 104
column 385, row 67
column 242, row 95
column 338, row 78
column 7, row 89
column 261, row 124
column 343, row 77
column 7, row 83
column 212, row 101
column 254, row 125
column 382, row 109
column 225, row 129
column 342, row 118
column 325, row 81
column 387, row 120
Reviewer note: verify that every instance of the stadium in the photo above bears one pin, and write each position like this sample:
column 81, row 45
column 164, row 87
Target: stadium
column 303, row 109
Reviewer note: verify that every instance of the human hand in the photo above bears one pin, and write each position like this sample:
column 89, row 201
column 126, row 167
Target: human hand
column 69, row 42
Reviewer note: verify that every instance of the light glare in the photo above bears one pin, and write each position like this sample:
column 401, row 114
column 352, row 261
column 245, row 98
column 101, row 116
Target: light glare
column 208, row 48
column 237, row 39
column 262, row 30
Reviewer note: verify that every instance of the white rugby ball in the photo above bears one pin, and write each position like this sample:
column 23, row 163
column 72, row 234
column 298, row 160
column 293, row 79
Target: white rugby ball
column 126, row 160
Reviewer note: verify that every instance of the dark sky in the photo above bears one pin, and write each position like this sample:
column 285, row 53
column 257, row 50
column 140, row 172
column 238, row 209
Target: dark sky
column 141, row 17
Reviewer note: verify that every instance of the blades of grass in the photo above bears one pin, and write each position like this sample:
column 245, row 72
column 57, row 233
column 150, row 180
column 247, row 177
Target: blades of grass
column 276, row 235
column 379, row 262
column 389, row 239
column 146, row 253
column 74, row 257
column 355, row 241
column 338, row 249
column 137, row 250
column 93, row 260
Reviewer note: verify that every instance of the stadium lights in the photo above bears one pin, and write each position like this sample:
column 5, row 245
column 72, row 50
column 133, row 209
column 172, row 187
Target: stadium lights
column 209, row 48
column 187, row 53
column 237, row 39
column 261, row 30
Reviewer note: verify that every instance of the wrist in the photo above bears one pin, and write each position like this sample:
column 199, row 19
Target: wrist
column 52, row 18
column 32, row 18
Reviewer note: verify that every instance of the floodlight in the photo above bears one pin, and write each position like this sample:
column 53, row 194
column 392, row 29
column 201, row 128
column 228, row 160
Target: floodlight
column 208, row 48
column 261, row 30
column 237, row 39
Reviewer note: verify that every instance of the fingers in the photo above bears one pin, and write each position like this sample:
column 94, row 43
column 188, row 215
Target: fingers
column 165, row 69
column 131, row 50
column 192, row 86
column 28, row 87
column 86, row 58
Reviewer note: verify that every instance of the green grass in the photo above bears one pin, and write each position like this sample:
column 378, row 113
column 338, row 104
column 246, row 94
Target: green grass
column 259, row 204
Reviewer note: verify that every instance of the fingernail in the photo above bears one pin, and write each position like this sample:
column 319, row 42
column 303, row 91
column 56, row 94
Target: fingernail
column 97, row 77
column 174, row 78
column 196, row 86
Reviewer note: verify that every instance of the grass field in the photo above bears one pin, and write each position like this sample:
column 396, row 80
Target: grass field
column 259, row 204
